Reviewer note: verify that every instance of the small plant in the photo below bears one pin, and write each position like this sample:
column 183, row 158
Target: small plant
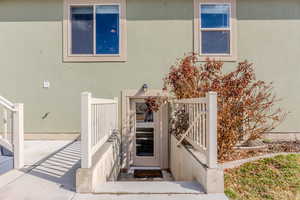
column 267, row 140
column 245, row 105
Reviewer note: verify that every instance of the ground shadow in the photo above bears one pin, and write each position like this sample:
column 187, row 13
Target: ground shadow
column 59, row 167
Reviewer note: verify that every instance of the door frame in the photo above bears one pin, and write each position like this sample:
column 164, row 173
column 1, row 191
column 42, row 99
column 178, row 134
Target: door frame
column 127, row 137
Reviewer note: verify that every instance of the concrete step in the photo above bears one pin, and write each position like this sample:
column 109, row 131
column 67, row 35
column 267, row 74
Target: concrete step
column 151, row 197
column 150, row 187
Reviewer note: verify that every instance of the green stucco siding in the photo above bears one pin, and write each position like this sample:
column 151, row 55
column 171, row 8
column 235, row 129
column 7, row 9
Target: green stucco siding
column 269, row 36
column 158, row 32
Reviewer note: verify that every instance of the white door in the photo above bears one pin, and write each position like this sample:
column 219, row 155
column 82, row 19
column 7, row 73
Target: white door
column 146, row 135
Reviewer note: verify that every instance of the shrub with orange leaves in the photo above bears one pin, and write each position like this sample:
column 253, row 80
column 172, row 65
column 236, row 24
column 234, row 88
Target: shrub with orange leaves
column 245, row 105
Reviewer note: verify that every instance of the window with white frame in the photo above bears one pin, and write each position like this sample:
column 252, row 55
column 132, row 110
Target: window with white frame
column 215, row 29
column 95, row 30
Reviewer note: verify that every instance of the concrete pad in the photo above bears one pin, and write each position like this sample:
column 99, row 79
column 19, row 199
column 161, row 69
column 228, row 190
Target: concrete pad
column 35, row 151
column 10, row 176
column 50, row 178
column 60, row 167
column 151, row 197
column 31, row 187
column 151, row 187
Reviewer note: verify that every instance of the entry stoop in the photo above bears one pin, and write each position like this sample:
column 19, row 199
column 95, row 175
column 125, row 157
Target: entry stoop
column 157, row 189
column 150, row 187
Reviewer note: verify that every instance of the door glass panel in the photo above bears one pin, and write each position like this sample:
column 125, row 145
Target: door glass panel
column 144, row 130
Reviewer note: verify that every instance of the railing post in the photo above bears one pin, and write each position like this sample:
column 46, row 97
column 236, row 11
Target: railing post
column 5, row 122
column 212, row 148
column 86, row 143
column 18, row 136
column 117, row 113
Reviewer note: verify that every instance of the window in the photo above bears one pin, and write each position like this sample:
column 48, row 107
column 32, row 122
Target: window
column 215, row 29
column 94, row 30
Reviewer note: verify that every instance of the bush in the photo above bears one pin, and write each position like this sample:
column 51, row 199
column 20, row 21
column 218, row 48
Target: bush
column 245, row 105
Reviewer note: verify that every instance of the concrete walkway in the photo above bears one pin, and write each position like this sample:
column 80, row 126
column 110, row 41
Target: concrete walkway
column 49, row 174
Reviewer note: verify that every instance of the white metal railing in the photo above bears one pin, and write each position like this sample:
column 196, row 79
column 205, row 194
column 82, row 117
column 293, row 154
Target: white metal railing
column 202, row 125
column 99, row 119
column 12, row 130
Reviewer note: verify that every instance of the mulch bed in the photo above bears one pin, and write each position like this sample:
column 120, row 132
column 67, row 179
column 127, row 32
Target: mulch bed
column 272, row 147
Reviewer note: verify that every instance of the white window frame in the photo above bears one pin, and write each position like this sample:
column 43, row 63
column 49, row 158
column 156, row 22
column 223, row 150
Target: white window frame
column 232, row 56
column 69, row 57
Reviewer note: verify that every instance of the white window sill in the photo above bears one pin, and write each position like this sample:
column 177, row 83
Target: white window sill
column 95, row 58
column 203, row 58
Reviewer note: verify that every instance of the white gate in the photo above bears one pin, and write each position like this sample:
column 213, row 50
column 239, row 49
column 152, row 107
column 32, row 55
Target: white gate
column 202, row 125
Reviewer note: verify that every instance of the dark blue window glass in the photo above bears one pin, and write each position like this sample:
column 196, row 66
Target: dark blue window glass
column 215, row 15
column 82, row 30
column 215, row 42
column 107, row 29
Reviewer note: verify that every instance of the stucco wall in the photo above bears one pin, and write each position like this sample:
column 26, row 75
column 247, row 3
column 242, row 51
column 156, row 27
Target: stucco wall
column 105, row 167
column 185, row 166
column 159, row 31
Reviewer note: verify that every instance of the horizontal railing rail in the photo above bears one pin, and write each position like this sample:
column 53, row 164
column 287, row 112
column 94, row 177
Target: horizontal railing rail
column 201, row 115
column 99, row 119
column 7, row 104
